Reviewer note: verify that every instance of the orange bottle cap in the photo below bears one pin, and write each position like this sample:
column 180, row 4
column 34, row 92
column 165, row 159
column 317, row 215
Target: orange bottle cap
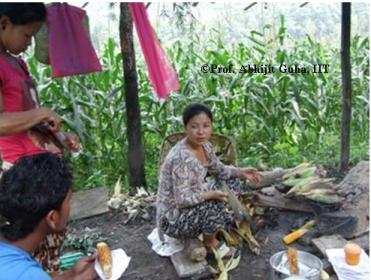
column 352, row 248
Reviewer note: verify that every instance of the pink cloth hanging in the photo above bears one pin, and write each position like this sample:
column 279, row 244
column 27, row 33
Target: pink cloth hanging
column 70, row 49
column 161, row 73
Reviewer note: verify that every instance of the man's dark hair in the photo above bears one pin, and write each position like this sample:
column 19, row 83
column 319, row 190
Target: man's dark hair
column 195, row 109
column 23, row 13
column 30, row 189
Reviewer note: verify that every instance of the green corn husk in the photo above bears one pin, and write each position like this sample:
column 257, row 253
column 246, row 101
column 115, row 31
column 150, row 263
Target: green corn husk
column 320, row 184
column 320, row 191
column 238, row 208
column 299, row 181
column 307, row 172
column 311, row 183
column 232, row 238
column 328, row 196
column 298, row 176
column 225, row 268
column 296, row 170
column 243, row 229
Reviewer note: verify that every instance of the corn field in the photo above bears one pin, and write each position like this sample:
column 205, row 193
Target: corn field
column 276, row 119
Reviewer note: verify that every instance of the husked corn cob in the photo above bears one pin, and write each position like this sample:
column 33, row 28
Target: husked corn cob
column 293, row 261
column 105, row 259
column 291, row 237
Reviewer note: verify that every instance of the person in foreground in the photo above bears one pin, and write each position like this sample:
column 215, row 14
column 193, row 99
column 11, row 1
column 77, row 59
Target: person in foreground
column 25, row 126
column 35, row 200
column 20, row 111
column 187, row 205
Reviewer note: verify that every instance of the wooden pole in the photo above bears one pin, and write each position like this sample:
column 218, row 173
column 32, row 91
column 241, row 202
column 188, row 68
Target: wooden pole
column 346, row 84
column 134, row 134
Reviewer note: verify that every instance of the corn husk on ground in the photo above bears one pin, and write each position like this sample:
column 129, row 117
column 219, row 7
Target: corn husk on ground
column 305, row 181
column 231, row 264
column 236, row 236
column 134, row 206
column 232, row 238
column 242, row 214
column 243, row 229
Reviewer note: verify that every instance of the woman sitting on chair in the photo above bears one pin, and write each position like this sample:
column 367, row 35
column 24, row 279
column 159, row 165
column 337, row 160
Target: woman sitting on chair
column 187, row 205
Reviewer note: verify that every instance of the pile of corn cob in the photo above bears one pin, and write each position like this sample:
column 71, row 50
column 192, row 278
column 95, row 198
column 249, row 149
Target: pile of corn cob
column 305, row 181
column 133, row 206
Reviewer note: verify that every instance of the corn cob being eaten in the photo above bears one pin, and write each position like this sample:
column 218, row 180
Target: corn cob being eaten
column 105, row 259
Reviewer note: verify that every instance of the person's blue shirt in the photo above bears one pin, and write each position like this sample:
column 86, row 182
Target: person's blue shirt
column 16, row 264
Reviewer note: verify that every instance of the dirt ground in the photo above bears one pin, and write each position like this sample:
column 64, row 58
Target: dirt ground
column 146, row 264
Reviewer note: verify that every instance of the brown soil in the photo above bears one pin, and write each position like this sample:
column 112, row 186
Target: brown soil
column 145, row 264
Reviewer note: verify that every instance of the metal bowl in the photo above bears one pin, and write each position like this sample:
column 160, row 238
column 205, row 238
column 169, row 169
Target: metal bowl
column 304, row 259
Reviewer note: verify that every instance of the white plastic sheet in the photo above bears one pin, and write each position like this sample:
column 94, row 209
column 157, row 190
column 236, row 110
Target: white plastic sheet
column 349, row 272
column 120, row 262
column 167, row 248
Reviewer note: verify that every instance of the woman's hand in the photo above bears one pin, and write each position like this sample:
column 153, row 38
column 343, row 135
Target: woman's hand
column 251, row 174
column 72, row 141
column 215, row 195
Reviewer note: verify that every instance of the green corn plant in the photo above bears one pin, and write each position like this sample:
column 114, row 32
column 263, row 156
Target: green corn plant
column 281, row 119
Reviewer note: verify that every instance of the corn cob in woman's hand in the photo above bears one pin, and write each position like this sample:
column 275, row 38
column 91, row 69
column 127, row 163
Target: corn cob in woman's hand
column 105, row 259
